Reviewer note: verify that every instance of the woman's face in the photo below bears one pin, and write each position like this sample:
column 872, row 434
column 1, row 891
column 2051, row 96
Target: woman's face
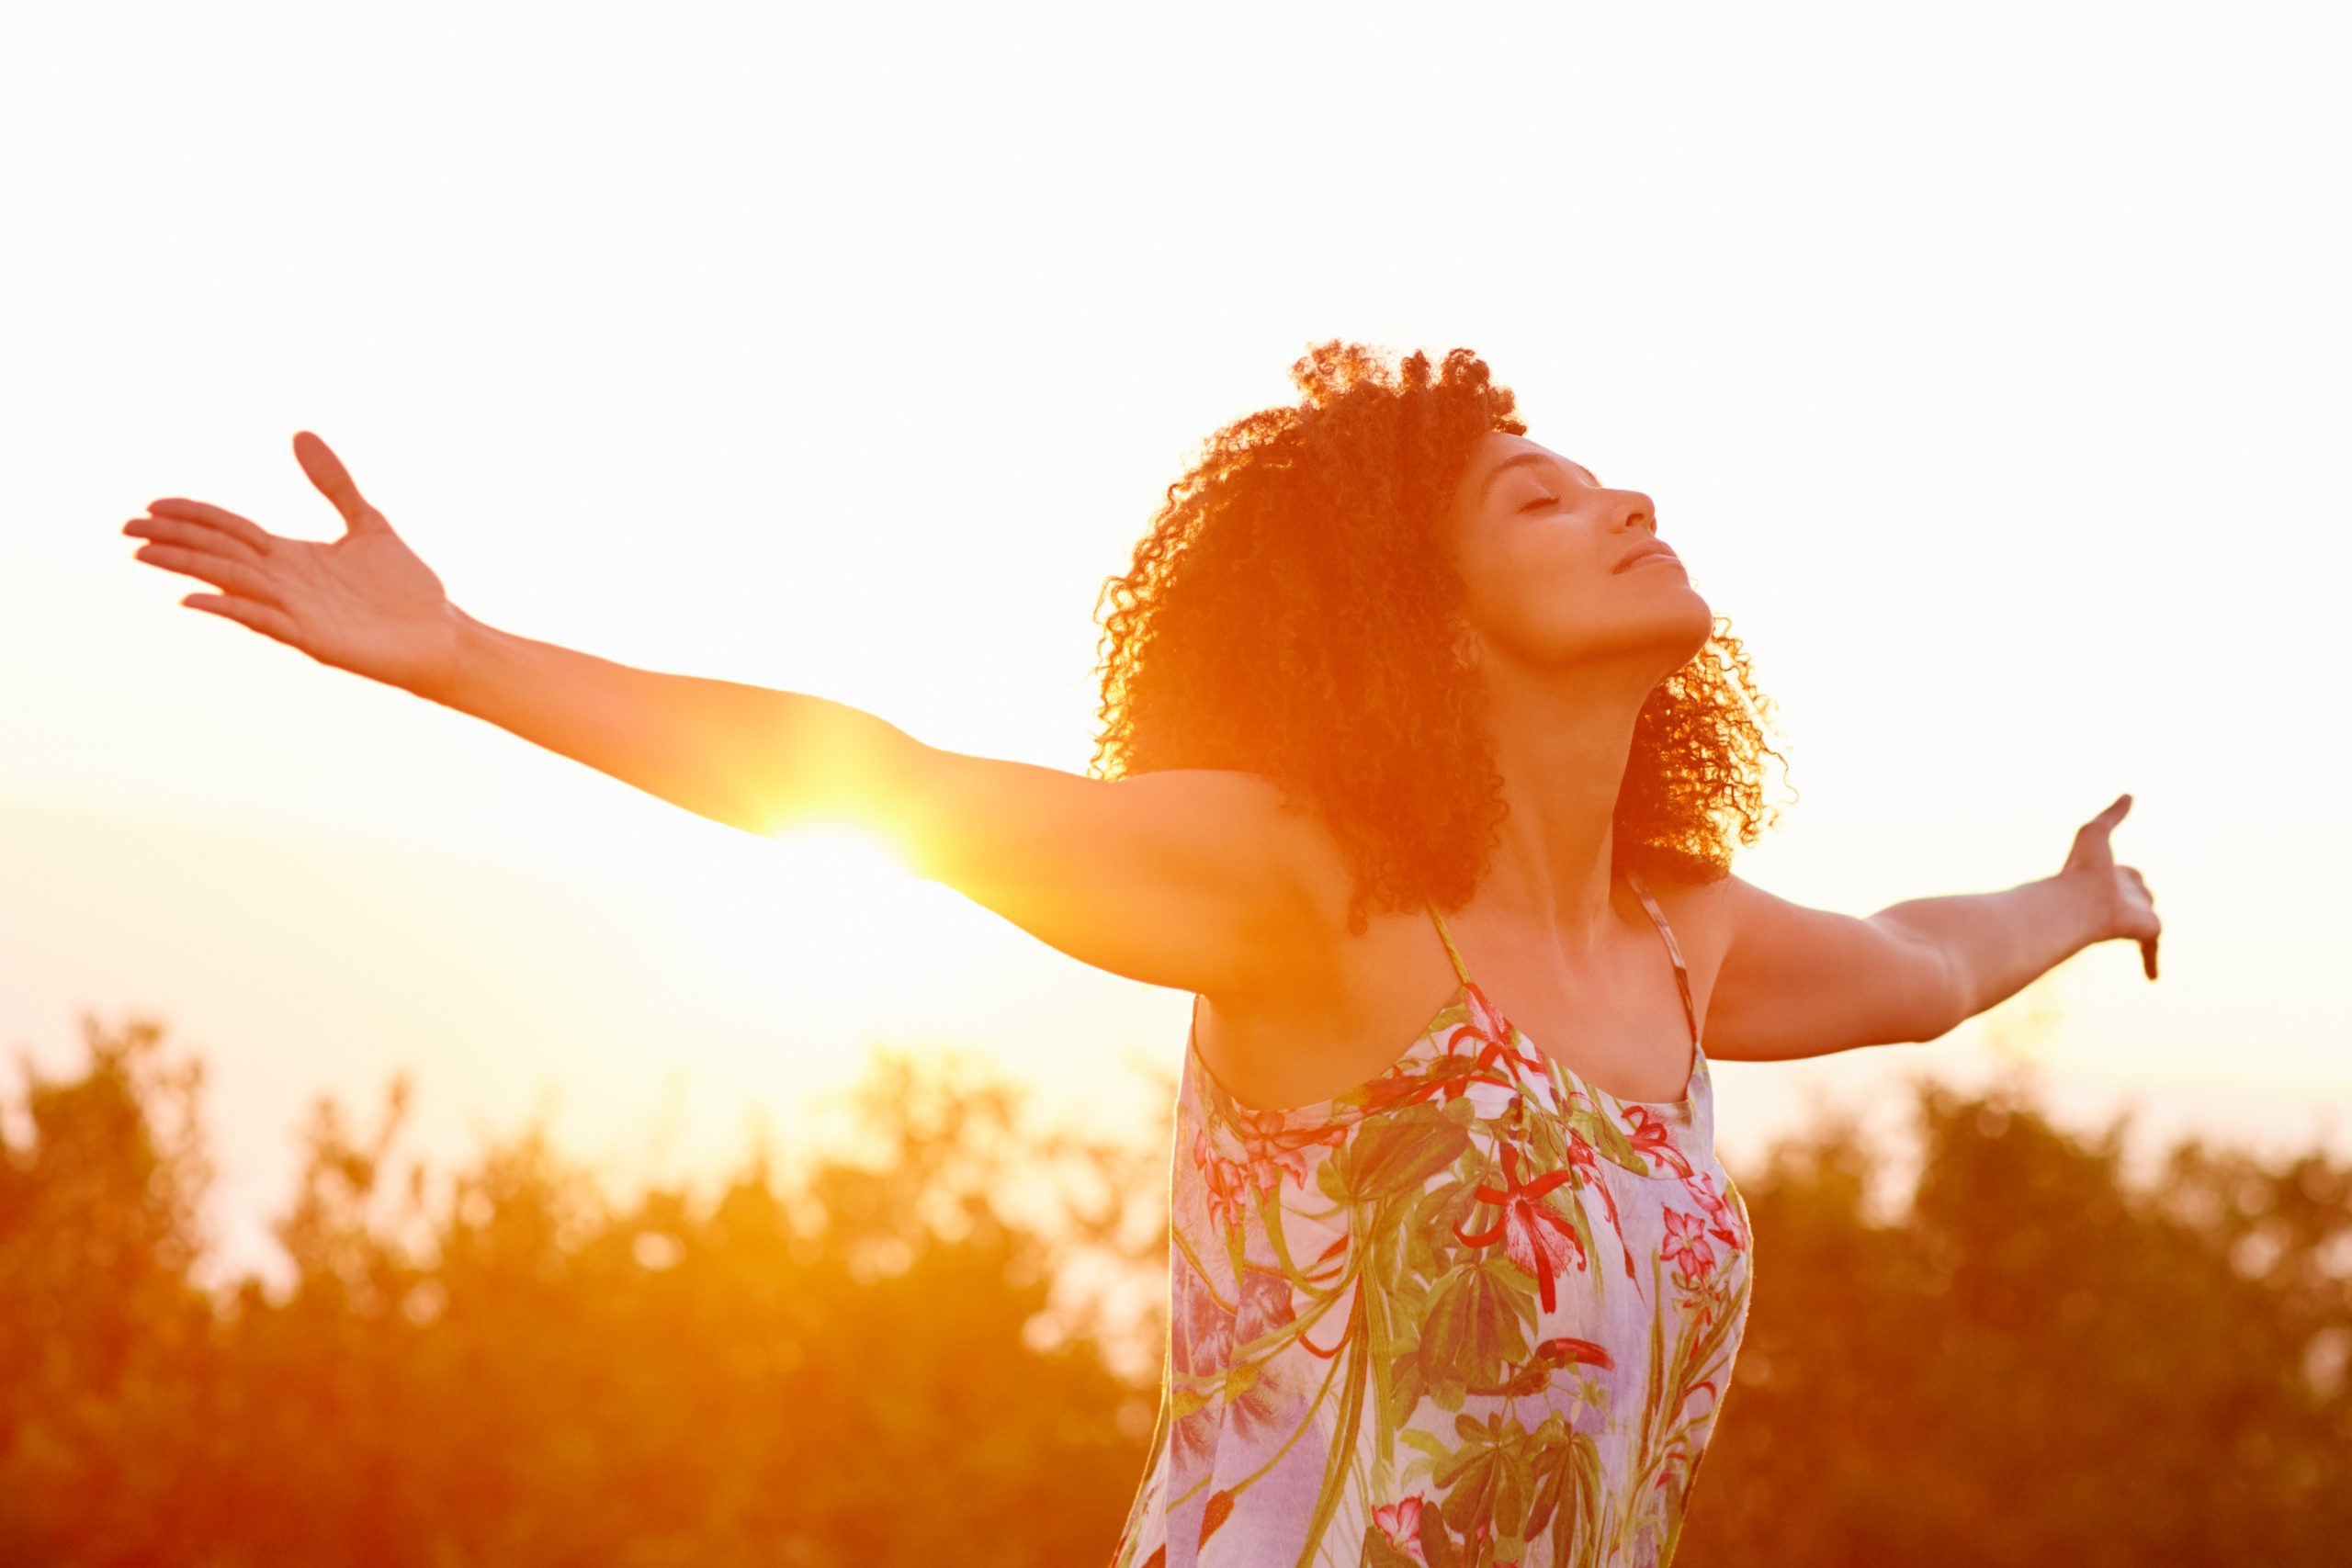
column 1558, row 567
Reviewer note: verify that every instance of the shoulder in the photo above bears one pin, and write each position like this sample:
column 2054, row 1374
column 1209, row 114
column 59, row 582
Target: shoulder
column 1705, row 910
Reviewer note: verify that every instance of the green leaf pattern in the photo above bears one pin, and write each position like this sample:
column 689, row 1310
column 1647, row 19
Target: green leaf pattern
column 1474, row 1312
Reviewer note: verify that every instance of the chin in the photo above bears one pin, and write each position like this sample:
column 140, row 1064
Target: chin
column 1693, row 630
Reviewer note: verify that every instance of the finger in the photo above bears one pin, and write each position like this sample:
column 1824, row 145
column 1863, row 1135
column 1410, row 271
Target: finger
column 2148, row 957
column 228, row 522
column 268, row 621
column 191, row 535
column 333, row 480
column 2116, row 811
column 235, row 576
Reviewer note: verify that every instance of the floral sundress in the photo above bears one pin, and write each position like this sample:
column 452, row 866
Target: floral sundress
column 1473, row 1312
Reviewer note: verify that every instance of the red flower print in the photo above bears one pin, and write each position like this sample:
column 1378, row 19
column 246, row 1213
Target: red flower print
column 1397, row 1086
column 1269, row 1151
column 1565, row 1352
column 1493, row 1035
column 1728, row 1226
column 1219, row 1510
column 1584, row 1157
column 1538, row 1238
column 1550, row 1357
column 1486, row 1020
column 1227, row 1183
column 1650, row 1138
column 1454, row 1072
column 1685, row 1237
column 1401, row 1522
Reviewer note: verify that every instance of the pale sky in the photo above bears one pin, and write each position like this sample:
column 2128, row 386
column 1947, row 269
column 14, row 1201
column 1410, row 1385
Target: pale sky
column 1986, row 365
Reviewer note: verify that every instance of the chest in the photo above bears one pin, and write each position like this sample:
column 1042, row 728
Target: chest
column 1613, row 1017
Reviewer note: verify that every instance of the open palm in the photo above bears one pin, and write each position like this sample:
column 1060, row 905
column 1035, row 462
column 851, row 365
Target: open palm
column 362, row 602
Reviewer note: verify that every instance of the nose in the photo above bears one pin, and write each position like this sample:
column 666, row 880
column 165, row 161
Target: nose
column 1641, row 511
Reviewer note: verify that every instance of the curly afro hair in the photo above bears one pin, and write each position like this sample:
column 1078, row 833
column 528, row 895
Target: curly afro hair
column 1292, row 612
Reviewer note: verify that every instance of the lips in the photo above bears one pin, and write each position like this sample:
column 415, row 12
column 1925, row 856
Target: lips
column 1646, row 552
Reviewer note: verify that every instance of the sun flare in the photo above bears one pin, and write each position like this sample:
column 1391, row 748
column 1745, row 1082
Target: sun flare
column 841, row 902
column 836, row 854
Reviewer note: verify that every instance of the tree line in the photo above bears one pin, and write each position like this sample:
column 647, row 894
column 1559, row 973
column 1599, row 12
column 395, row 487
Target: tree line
column 874, row 1358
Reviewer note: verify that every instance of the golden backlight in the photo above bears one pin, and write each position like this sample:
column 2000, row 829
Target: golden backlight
column 837, row 854
column 841, row 905
column 844, row 902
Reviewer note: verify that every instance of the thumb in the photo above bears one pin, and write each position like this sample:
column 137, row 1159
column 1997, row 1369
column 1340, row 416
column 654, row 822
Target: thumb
column 2091, row 848
column 2117, row 809
column 334, row 481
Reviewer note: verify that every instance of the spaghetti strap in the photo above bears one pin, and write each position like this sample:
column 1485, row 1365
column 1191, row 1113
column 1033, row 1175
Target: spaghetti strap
column 1673, row 950
column 1460, row 972
column 1252, row 1190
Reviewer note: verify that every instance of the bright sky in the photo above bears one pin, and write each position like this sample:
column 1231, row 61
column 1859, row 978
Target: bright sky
column 1986, row 363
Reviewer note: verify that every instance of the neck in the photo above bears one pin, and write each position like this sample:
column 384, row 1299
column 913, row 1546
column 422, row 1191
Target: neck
column 1561, row 739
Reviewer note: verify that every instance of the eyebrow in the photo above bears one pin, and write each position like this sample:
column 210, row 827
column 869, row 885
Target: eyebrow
column 1524, row 459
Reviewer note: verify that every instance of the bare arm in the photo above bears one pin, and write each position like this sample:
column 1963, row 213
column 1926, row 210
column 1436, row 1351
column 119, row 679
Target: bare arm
column 1798, row 981
column 1189, row 879
column 1185, row 878
column 1804, row 982
column 751, row 757
column 1996, row 944
column 1993, row 945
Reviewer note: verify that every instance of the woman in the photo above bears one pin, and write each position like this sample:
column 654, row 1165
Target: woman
column 1456, row 1276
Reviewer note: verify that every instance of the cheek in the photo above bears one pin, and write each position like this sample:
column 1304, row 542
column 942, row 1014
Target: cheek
column 1543, row 595
column 1543, row 601
column 1543, row 573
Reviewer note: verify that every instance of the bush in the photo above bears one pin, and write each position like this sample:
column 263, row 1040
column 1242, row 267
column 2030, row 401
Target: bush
column 873, row 1363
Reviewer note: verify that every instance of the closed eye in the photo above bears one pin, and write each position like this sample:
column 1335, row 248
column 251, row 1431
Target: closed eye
column 1541, row 501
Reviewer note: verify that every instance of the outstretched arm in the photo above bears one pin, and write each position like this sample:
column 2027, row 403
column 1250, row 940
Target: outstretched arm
column 751, row 757
column 1186, row 878
column 1996, row 944
column 1804, row 982
column 366, row 603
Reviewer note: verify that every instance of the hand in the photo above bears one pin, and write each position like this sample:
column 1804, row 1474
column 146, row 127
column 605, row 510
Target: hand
column 362, row 602
column 2127, row 909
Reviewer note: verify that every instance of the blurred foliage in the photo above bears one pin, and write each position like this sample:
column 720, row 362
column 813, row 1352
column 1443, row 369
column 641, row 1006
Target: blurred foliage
column 871, row 1362
column 2037, row 1361
column 841, row 1370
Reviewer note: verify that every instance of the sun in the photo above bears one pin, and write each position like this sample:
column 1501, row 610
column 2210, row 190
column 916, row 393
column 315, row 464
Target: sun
column 829, row 938
column 840, row 857
column 841, row 901
column 841, row 891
